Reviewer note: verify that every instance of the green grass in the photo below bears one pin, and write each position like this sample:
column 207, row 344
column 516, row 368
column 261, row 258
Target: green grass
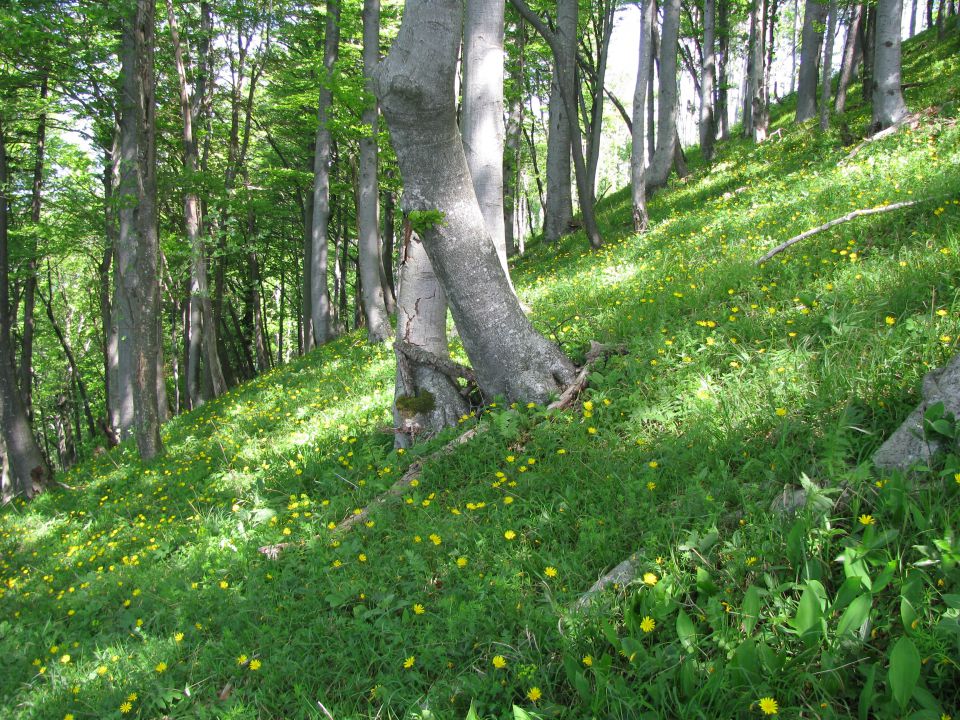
column 145, row 580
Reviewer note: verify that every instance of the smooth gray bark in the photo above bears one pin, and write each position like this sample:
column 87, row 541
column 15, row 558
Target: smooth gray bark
column 137, row 248
column 511, row 154
column 638, row 131
column 558, row 213
column 708, row 129
column 825, row 82
column 27, row 471
column 888, row 105
column 668, row 98
column 849, row 62
column 415, row 85
column 811, row 38
column 760, row 112
column 320, row 217
column 481, row 117
column 368, row 194
column 913, row 19
column 603, row 30
column 422, row 322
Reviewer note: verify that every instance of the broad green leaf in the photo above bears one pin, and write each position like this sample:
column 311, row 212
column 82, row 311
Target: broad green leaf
column 472, row 713
column 685, row 630
column 808, row 612
column 855, row 615
column 751, row 609
column 867, row 695
column 904, row 670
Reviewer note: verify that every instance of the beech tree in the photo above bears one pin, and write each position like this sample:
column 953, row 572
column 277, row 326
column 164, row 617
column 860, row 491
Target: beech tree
column 888, row 105
column 638, row 130
column 814, row 16
column 663, row 158
column 415, row 85
column 708, row 127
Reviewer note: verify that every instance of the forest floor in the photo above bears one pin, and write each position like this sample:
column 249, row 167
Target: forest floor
column 137, row 590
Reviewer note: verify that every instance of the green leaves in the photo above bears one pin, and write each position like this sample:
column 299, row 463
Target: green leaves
column 904, row 670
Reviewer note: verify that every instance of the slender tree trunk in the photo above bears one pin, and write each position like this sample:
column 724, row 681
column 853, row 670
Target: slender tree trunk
column 389, row 251
column 828, row 66
column 305, row 319
column 511, row 155
column 319, row 294
column 481, row 117
column 813, row 22
column 888, row 105
column 137, row 248
column 662, row 160
column 913, row 18
column 605, row 16
column 368, row 194
column 27, row 471
column 415, row 85
column 66, row 448
column 558, row 212
column 707, row 121
column 723, row 30
column 638, row 131
column 848, row 64
column 793, row 46
column 652, row 88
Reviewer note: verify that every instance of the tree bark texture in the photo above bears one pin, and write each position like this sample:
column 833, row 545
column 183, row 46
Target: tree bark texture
column 558, row 213
column 825, row 82
column 27, row 471
column 888, row 105
column 638, row 131
column 320, row 217
column 848, row 63
column 415, row 85
column 137, row 248
column 481, row 116
column 668, row 99
column 708, row 126
column 814, row 16
column 368, row 194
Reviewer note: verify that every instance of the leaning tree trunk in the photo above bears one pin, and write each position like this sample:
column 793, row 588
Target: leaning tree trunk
column 848, row 63
column 368, row 194
column 811, row 38
column 481, row 117
column 320, row 218
column 558, row 213
column 137, row 249
column 426, row 400
column 662, row 161
column 415, row 85
column 827, row 66
column 27, row 470
column 708, row 129
column 638, row 131
column 888, row 105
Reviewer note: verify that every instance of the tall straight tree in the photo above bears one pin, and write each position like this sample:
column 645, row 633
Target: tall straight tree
column 828, row 66
column 888, row 105
column 760, row 111
column 668, row 100
column 368, row 194
column 320, row 215
column 708, row 125
column 811, row 38
column 202, row 334
column 415, row 84
column 26, row 469
column 137, row 247
column 638, row 130
column 851, row 51
column 481, row 118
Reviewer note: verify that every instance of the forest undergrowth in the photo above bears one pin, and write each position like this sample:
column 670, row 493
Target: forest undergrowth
column 137, row 590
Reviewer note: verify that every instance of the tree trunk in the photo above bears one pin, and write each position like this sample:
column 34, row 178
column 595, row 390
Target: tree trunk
column 848, row 64
column 638, row 131
column 723, row 30
column 319, row 294
column 511, row 155
column 828, row 66
column 558, row 213
column 30, row 283
column 368, row 194
column 305, row 319
column 913, row 19
column 869, row 45
column 66, row 447
column 793, row 47
column 137, row 248
column 707, row 121
column 416, row 88
column 27, row 470
column 662, row 161
column 604, row 30
column 425, row 399
column 481, row 116
column 888, row 105
column 813, row 20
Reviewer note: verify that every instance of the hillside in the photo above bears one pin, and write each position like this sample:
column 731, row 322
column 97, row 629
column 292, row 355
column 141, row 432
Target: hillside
column 138, row 590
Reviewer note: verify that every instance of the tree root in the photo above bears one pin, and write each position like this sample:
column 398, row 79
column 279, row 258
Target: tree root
column 566, row 399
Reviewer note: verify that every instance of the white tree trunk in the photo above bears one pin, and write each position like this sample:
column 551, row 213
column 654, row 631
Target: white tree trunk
column 707, row 122
column 415, row 85
column 481, row 117
column 888, row 105
column 667, row 101
column 638, row 131
column 368, row 193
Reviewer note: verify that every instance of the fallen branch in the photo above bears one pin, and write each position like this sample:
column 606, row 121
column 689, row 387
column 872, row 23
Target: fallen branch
column 567, row 397
column 839, row 221
column 620, row 575
column 911, row 119
column 451, row 369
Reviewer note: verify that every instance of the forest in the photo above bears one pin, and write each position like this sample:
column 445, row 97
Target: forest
column 479, row 359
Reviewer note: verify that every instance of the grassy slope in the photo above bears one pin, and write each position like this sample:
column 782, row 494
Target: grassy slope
column 146, row 580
